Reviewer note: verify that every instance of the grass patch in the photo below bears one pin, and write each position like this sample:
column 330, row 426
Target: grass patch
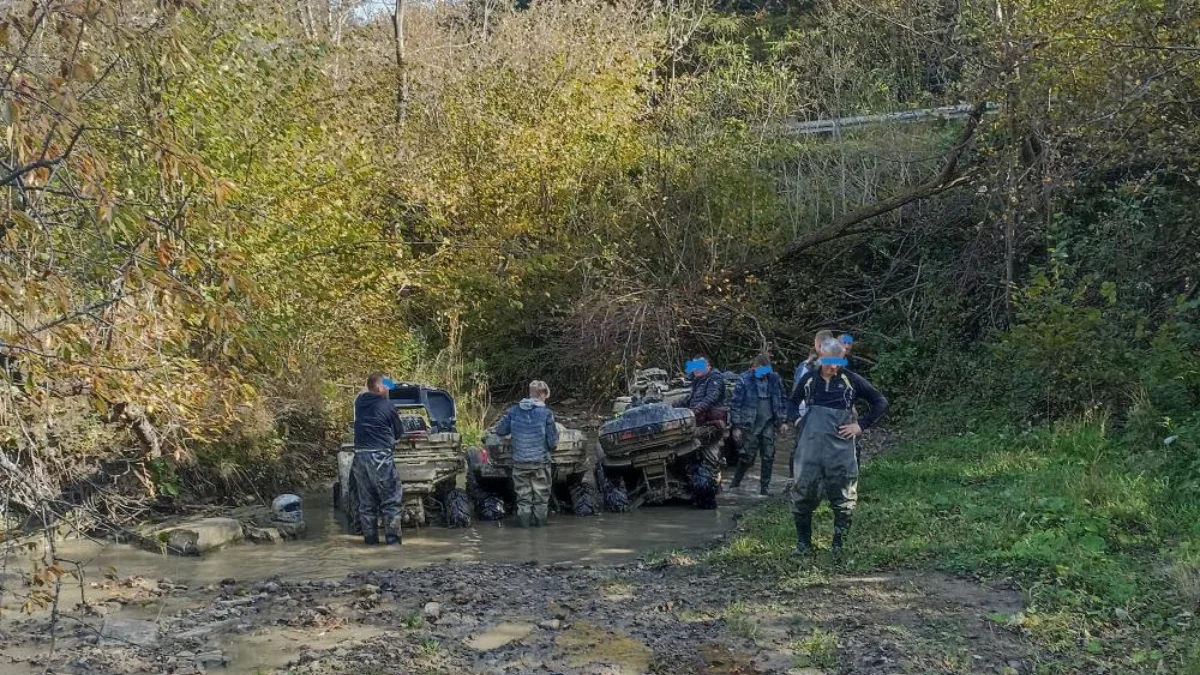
column 1098, row 536
column 741, row 623
column 816, row 650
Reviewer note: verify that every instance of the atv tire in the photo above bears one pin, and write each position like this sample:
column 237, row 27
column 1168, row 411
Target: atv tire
column 491, row 507
column 456, row 509
column 704, row 486
column 584, row 498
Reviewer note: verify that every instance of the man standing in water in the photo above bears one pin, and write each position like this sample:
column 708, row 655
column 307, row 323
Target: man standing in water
column 825, row 448
column 708, row 386
column 534, row 435
column 376, row 426
column 757, row 414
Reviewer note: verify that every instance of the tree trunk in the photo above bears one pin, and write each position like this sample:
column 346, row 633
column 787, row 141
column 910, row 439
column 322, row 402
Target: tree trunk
column 401, row 71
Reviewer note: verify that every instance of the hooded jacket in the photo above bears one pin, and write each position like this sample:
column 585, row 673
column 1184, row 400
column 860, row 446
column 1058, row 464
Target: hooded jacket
column 534, row 434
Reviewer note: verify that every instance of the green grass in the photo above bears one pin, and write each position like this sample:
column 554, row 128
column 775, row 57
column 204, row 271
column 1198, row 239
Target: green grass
column 817, row 649
column 1104, row 542
column 741, row 623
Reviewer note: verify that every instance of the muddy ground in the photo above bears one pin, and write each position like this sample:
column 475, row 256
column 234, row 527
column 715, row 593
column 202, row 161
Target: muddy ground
column 669, row 616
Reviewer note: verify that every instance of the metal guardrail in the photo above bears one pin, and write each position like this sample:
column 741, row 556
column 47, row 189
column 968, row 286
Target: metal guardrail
column 950, row 112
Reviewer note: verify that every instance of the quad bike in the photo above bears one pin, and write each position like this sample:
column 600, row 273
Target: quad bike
column 489, row 476
column 429, row 460
column 650, row 454
column 653, row 384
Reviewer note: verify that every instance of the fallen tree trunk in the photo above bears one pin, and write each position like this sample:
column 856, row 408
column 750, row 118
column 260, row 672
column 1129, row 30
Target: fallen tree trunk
column 949, row 177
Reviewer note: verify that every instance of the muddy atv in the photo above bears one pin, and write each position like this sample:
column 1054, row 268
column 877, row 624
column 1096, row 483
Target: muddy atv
column 489, row 476
column 650, row 455
column 652, row 384
column 429, row 460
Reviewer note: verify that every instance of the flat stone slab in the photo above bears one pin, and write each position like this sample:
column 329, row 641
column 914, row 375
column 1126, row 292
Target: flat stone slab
column 123, row 632
column 201, row 536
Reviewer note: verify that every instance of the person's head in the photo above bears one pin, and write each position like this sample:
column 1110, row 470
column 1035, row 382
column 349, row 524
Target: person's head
column 832, row 356
column 821, row 338
column 698, row 366
column 847, row 341
column 376, row 383
column 761, row 365
column 539, row 390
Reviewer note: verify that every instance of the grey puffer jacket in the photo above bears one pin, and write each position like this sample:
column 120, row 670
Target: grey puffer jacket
column 533, row 431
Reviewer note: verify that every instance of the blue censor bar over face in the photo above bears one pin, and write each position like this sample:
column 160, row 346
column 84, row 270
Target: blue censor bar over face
column 696, row 366
column 832, row 361
column 762, row 371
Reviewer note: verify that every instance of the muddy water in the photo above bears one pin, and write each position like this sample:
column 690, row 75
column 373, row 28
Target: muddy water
column 328, row 553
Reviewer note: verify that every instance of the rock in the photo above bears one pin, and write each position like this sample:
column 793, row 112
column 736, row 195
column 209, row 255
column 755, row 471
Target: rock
column 243, row 601
column 208, row 660
column 341, row 652
column 262, row 535
column 148, row 585
column 128, row 632
column 433, row 611
column 550, row 624
column 201, row 536
column 271, row 587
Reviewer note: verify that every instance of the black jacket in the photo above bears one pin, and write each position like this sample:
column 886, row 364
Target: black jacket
column 841, row 392
column 376, row 423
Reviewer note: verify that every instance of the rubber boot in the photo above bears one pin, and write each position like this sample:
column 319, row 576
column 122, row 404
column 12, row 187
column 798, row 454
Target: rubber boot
column 393, row 540
column 841, row 528
column 738, row 475
column 371, row 539
column 764, row 480
column 803, row 534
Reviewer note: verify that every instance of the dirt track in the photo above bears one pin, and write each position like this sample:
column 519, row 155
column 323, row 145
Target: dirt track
column 673, row 616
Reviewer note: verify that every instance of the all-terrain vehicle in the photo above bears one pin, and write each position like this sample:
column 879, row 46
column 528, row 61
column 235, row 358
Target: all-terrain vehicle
column 429, row 460
column 653, row 384
column 489, row 476
column 650, row 454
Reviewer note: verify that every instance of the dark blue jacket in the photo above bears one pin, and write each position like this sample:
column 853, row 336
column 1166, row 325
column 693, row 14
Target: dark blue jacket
column 841, row 392
column 745, row 399
column 706, row 392
column 534, row 433
column 376, row 423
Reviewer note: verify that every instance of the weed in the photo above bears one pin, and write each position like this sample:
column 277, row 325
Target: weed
column 818, row 650
column 414, row 621
column 737, row 617
column 430, row 647
column 1185, row 578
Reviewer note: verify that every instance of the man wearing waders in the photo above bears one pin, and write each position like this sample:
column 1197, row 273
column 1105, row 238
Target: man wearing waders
column 796, row 410
column 534, row 435
column 376, row 426
column 825, row 460
column 847, row 341
column 757, row 414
